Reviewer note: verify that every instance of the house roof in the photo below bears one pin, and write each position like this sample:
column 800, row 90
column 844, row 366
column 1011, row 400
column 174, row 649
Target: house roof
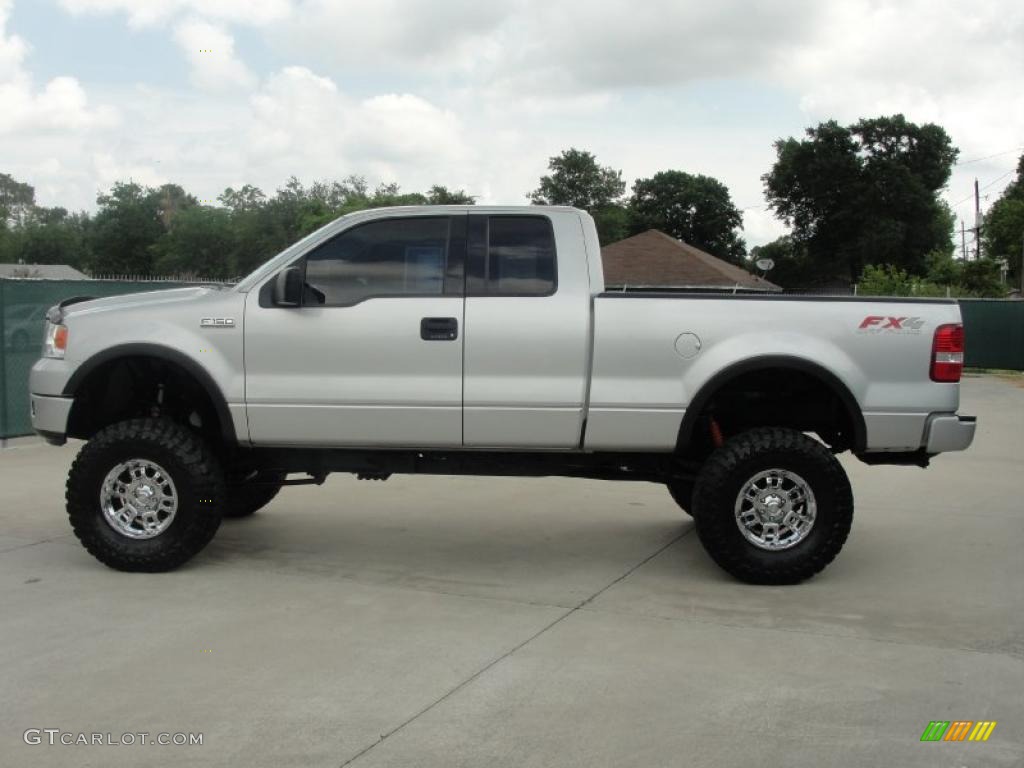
column 42, row 271
column 653, row 259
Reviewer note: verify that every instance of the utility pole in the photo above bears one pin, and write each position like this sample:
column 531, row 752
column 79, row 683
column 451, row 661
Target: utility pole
column 977, row 221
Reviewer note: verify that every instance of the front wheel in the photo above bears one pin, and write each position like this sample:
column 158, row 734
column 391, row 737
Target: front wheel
column 773, row 506
column 145, row 495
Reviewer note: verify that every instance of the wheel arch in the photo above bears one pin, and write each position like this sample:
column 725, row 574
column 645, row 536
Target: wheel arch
column 167, row 355
column 731, row 373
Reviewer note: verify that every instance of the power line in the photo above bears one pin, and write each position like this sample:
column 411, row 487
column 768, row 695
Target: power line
column 999, row 179
column 994, row 181
column 987, row 157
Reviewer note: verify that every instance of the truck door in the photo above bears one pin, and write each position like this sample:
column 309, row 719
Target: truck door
column 373, row 357
column 527, row 340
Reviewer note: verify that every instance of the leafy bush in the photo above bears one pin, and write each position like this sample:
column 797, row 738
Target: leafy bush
column 946, row 277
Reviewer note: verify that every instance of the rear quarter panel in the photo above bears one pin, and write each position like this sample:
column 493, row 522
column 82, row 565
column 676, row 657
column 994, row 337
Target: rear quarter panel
column 641, row 385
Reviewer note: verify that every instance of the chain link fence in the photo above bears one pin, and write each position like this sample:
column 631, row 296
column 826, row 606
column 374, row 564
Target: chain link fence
column 23, row 305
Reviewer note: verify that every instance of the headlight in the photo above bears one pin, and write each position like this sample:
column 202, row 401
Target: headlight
column 55, row 341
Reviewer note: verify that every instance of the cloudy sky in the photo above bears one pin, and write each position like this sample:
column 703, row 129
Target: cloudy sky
column 478, row 95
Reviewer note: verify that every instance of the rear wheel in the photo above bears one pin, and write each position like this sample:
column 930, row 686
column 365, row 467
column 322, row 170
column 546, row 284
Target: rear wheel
column 773, row 506
column 145, row 495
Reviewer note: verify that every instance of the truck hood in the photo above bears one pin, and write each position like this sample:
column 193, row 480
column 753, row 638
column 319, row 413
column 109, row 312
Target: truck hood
column 135, row 301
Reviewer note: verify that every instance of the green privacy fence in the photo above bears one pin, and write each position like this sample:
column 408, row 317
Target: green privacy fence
column 994, row 330
column 23, row 305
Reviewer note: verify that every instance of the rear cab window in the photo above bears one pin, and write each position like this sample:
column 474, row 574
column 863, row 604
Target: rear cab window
column 511, row 256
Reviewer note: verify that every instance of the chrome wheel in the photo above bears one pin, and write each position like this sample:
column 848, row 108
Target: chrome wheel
column 138, row 499
column 775, row 509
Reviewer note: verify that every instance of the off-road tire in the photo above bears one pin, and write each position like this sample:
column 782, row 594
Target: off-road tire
column 725, row 474
column 681, row 492
column 249, row 495
column 191, row 465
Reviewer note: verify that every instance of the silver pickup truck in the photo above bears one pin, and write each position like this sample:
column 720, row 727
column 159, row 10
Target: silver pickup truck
column 481, row 340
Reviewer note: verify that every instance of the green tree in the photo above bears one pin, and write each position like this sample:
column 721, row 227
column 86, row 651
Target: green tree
column 125, row 229
column 170, row 201
column 982, row 278
column 790, row 270
column 439, row 195
column 693, row 208
column 946, row 277
column 885, row 280
column 1003, row 228
column 576, row 179
column 248, row 198
column 254, row 238
column 201, row 244
column 37, row 235
column 612, row 222
column 52, row 236
column 864, row 194
column 16, row 200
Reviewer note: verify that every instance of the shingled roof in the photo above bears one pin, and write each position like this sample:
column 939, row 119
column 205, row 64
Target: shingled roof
column 653, row 259
column 42, row 271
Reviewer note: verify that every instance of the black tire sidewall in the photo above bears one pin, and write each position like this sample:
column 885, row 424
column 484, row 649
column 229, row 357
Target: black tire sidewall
column 200, row 495
column 717, row 490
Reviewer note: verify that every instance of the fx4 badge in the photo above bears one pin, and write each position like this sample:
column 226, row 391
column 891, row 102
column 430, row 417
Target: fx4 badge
column 880, row 324
column 217, row 322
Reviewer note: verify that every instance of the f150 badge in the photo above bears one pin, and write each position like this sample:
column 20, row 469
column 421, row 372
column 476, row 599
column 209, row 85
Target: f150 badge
column 881, row 324
column 217, row 322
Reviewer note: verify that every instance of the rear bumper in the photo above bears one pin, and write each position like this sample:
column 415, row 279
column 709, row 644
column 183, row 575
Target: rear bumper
column 949, row 432
column 942, row 432
column 50, row 417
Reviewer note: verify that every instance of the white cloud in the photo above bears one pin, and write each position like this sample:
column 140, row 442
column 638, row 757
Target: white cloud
column 210, row 51
column 61, row 105
column 479, row 94
column 302, row 123
column 390, row 35
column 933, row 60
column 107, row 169
column 147, row 12
column 12, row 48
column 659, row 42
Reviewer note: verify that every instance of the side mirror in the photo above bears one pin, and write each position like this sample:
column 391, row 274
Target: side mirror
column 288, row 287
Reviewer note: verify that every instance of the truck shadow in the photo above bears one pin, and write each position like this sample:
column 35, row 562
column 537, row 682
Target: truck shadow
column 556, row 556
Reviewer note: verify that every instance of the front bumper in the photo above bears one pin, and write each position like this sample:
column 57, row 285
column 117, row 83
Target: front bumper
column 949, row 432
column 50, row 417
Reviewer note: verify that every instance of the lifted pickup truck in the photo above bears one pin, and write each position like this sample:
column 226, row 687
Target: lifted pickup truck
column 480, row 340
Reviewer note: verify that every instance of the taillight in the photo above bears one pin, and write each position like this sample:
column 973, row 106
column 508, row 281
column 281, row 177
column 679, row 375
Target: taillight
column 948, row 353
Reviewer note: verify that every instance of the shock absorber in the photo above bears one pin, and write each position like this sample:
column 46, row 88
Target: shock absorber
column 717, row 438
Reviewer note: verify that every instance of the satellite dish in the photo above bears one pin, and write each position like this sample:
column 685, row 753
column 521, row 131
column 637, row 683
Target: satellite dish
column 764, row 264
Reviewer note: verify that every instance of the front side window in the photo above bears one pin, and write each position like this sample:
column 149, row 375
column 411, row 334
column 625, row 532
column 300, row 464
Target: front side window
column 391, row 257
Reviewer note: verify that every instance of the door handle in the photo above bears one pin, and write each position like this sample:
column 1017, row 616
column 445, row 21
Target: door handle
column 439, row 329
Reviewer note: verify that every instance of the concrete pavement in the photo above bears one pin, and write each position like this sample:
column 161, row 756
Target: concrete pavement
column 491, row 622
